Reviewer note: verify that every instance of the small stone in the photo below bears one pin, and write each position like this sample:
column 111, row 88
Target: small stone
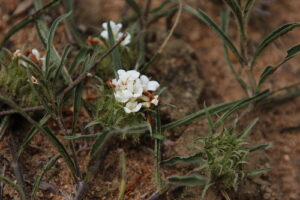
column 286, row 157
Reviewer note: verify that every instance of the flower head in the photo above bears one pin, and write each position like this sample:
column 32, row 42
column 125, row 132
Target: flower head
column 116, row 31
column 134, row 90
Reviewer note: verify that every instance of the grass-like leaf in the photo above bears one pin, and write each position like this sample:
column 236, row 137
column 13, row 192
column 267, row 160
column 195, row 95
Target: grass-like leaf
column 188, row 180
column 3, row 126
column 69, row 5
column 206, row 19
column 26, row 21
column 270, row 38
column 246, row 131
column 50, row 46
column 135, row 7
column 182, row 159
column 257, row 171
column 58, row 71
column 46, row 131
column 259, row 147
column 225, row 24
column 201, row 113
column 38, row 180
column 33, row 131
column 116, row 58
column 15, row 186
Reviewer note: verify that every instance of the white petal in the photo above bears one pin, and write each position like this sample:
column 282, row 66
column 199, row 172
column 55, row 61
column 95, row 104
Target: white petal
column 137, row 88
column 133, row 74
column 36, row 53
column 121, row 72
column 155, row 101
column 126, row 41
column 132, row 107
column 104, row 34
column 152, row 85
column 105, row 25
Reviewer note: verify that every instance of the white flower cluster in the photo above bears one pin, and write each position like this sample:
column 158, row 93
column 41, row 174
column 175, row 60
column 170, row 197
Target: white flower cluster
column 115, row 28
column 135, row 90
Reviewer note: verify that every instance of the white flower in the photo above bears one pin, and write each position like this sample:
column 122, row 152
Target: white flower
column 134, row 90
column 132, row 106
column 123, row 95
column 116, row 31
column 36, row 54
column 155, row 101
column 17, row 54
column 149, row 85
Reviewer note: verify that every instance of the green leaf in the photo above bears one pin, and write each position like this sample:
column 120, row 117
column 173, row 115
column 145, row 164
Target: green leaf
column 182, row 159
column 69, row 6
column 259, row 147
column 3, row 126
column 15, row 186
column 116, row 58
column 229, row 106
column 270, row 38
column 26, row 21
column 65, row 54
column 212, row 109
column 49, row 44
column 76, row 107
column 46, row 131
column 38, row 180
column 257, row 171
column 43, row 33
column 241, row 104
column 246, row 131
column 225, row 24
column 158, row 136
column 203, row 17
column 135, row 7
column 266, row 73
column 237, row 11
column 31, row 134
column 188, row 180
column 292, row 52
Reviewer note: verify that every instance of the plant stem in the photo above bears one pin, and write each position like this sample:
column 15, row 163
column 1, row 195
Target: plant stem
column 16, row 165
column 157, row 150
column 123, row 175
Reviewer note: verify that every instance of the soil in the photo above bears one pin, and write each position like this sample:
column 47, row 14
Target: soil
column 194, row 71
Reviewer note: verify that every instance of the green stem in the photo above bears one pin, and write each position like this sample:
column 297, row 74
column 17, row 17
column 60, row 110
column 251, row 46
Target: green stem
column 157, row 150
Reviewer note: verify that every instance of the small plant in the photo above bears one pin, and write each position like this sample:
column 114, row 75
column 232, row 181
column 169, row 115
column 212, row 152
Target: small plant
column 223, row 159
column 244, row 70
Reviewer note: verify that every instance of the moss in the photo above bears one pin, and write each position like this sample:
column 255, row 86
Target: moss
column 14, row 84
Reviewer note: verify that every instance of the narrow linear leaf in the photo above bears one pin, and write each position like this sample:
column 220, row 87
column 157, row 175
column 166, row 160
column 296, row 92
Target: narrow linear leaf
column 26, row 21
column 237, row 11
column 246, row 131
column 69, row 6
column 135, row 7
column 50, row 46
column 292, row 52
column 270, row 38
column 117, row 63
column 3, row 126
column 257, row 171
column 241, row 104
column 31, row 134
column 15, row 186
column 225, row 24
column 188, row 180
column 182, row 159
column 204, row 18
column 38, row 180
column 46, row 131
column 266, row 73
column 65, row 54
column 259, row 147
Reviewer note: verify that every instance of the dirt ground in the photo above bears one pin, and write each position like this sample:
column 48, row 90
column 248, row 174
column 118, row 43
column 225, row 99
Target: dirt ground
column 194, row 71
